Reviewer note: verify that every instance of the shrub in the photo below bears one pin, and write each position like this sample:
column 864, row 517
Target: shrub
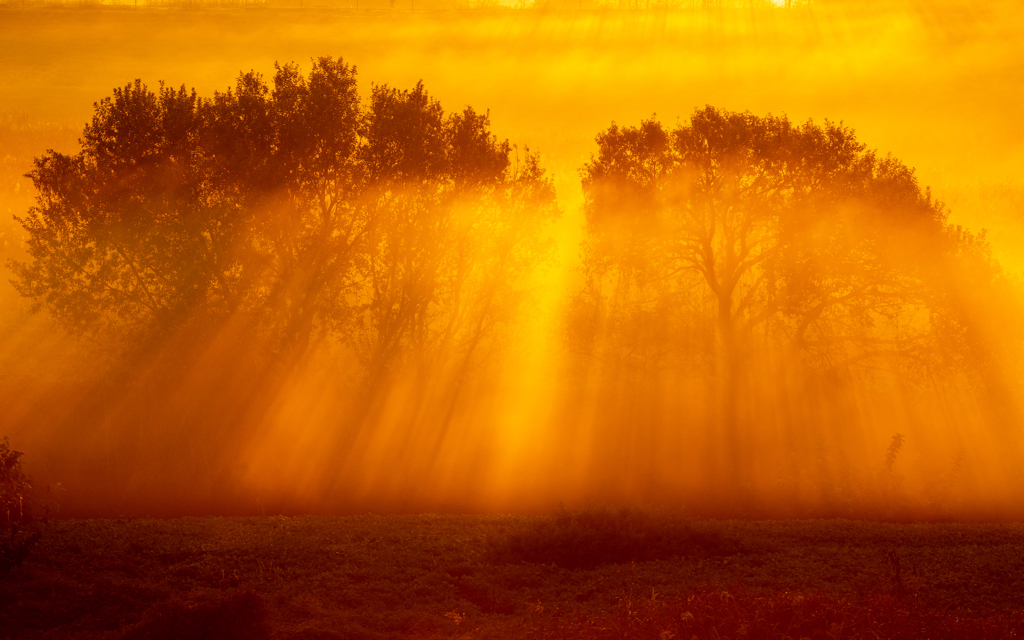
column 19, row 518
column 589, row 537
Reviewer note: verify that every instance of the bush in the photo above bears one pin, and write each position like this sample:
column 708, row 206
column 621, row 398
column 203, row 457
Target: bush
column 590, row 537
column 20, row 517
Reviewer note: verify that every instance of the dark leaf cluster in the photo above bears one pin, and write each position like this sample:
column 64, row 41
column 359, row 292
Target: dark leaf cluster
column 292, row 208
column 19, row 514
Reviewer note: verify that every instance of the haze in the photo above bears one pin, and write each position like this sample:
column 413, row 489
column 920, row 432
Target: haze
column 535, row 423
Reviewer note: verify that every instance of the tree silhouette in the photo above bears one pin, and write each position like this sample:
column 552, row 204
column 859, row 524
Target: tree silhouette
column 290, row 206
column 734, row 235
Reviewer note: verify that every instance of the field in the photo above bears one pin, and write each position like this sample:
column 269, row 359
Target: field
column 582, row 574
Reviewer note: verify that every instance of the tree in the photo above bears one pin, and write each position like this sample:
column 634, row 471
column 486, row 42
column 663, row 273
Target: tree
column 292, row 207
column 734, row 236
column 227, row 246
column 180, row 209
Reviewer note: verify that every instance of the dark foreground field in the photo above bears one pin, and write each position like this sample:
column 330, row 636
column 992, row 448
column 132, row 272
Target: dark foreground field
column 591, row 574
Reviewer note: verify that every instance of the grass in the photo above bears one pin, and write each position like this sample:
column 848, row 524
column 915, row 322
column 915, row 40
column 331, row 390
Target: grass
column 591, row 537
column 515, row 577
column 716, row 613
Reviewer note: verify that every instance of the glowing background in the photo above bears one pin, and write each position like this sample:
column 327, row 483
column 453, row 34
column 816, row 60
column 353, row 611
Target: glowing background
column 938, row 85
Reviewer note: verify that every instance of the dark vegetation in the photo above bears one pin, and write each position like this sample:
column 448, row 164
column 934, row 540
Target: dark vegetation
column 445, row 576
column 23, row 511
column 293, row 209
column 590, row 537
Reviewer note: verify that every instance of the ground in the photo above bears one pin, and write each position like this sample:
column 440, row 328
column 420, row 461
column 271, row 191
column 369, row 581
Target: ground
column 596, row 574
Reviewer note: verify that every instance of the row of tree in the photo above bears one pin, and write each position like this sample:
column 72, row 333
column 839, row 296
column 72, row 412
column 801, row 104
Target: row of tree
column 729, row 249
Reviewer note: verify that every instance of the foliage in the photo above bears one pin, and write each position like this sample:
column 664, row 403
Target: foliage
column 753, row 227
column 586, row 538
column 778, row 274
column 394, row 227
column 19, row 530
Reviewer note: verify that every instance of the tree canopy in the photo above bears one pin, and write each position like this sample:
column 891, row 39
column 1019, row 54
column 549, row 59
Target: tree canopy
column 765, row 228
column 733, row 245
column 392, row 226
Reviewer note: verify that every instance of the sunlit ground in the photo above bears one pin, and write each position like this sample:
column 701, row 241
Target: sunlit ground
column 937, row 85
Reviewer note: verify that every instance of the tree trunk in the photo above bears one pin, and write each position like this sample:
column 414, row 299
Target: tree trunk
column 729, row 397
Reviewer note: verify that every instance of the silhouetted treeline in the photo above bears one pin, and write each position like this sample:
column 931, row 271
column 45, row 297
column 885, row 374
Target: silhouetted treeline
column 310, row 300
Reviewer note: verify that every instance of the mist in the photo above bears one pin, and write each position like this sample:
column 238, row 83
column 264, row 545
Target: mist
column 521, row 383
